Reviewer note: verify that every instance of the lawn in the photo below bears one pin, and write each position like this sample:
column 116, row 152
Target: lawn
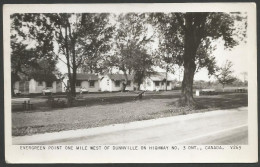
column 120, row 108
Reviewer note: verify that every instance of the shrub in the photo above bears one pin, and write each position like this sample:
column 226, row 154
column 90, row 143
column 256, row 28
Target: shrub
column 56, row 103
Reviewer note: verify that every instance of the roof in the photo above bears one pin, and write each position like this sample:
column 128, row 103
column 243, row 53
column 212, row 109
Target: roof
column 160, row 76
column 86, row 77
column 119, row 77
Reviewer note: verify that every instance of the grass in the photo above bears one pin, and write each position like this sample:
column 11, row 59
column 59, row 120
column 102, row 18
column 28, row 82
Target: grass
column 113, row 110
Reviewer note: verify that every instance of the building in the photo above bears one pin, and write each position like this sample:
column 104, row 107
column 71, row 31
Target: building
column 114, row 82
column 157, row 81
column 88, row 82
column 33, row 86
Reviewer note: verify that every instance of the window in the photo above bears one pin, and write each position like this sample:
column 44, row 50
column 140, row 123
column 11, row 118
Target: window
column 91, row 83
column 128, row 83
column 40, row 83
column 168, row 83
column 157, row 83
column 78, row 83
column 48, row 84
column 117, row 83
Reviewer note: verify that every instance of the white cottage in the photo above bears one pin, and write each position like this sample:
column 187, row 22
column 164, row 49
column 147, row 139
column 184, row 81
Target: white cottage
column 89, row 82
column 33, row 86
column 114, row 82
column 157, row 81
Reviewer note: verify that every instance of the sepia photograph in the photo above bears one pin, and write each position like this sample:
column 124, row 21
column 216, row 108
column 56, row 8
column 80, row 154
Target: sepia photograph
column 132, row 80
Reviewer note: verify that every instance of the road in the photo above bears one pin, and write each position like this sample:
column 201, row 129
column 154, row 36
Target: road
column 222, row 127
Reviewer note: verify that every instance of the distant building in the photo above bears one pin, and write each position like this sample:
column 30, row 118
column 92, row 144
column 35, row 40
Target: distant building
column 33, row 86
column 114, row 82
column 157, row 81
column 89, row 82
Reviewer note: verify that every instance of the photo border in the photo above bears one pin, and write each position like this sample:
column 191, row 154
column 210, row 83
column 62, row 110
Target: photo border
column 79, row 1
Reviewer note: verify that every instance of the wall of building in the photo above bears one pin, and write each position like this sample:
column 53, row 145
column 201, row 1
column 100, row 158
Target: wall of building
column 162, row 86
column 58, row 86
column 35, row 87
column 119, row 88
column 106, row 84
column 16, row 85
column 86, row 85
column 131, row 87
column 116, row 88
column 96, row 87
column 53, row 88
column 64, row 84
column 149, row 85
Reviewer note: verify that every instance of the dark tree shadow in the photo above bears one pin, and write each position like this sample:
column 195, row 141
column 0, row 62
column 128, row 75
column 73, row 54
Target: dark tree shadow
column 223, row 101
column 227, row 101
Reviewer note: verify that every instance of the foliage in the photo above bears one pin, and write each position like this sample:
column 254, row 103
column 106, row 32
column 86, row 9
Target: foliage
column 82, row 39
column 31, row 42
column 170, row 44
column 96, row 42
column 142, row 67
column 224, row 74
column 131, row 41
column 196, row 33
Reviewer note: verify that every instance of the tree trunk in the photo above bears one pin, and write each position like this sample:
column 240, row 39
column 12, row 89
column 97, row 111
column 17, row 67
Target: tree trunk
column 191, row 44
column 74, row 71
column 123, row 87
column 166, row 78
column 12, row 87
column 73, row 83
column 187, row 84
column 125, row 82
column 139, row 84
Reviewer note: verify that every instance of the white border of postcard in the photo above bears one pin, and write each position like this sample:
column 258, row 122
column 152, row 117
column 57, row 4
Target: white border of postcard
column 248, row 153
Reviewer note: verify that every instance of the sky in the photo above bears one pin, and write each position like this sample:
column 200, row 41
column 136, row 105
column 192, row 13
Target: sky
column 237, row 55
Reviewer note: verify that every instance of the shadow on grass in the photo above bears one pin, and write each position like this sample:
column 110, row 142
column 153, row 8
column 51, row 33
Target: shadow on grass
column 121, row 99
column 92, row 101
column 223, row 101
column 227, row 101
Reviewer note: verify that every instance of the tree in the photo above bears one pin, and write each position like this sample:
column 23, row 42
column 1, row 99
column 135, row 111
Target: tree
column 45, row 72
column 142, row 67
column 170, row 46
column 96, row 42
column 82, row 38
column 196, row 32
column 79, row 38
column 31, row 41
column 130, row 41
column 224, row 74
